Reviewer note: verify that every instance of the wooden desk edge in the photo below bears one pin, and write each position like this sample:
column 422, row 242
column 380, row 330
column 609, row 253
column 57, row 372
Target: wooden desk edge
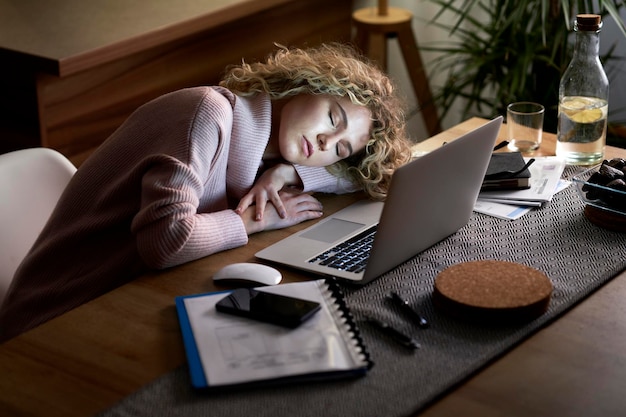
column 67, row 65
column 547, row 148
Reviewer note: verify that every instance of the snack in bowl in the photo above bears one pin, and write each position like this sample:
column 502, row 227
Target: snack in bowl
column 604, row 186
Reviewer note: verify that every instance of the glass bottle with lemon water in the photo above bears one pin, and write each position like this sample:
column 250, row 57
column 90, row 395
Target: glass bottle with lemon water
column 583, row 98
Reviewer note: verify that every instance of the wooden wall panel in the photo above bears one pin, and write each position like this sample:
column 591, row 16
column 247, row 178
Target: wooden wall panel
column 77, row 112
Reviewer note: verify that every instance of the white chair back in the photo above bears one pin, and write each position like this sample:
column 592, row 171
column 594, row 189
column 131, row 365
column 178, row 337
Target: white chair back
column 31, row 182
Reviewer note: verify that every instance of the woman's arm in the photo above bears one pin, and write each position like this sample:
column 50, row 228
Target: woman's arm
column 267, row 187
column 297, row 207
column 318, row 179
column 276, row 178
column 169, row 228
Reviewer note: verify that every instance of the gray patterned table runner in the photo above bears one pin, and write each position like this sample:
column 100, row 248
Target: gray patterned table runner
column 557, row 239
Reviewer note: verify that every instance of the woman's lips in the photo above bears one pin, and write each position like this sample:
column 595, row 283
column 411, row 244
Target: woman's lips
column 307, row 147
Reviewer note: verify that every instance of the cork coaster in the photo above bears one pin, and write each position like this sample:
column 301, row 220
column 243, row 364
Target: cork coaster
column 605, row 219
column 492, row 291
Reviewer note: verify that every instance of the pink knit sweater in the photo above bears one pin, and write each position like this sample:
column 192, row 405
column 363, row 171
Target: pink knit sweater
column 159, row 192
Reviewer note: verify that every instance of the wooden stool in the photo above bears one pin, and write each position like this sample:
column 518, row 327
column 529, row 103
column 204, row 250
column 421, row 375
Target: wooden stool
column 374, row 25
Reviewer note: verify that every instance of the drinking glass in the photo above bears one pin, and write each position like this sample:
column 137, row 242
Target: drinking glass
column 525, row 125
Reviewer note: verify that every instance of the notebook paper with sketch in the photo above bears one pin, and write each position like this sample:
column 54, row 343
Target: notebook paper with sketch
column 428, row 200
column 225, row 350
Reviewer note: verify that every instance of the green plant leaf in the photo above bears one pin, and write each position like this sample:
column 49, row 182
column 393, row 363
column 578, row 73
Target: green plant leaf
column 504, row 51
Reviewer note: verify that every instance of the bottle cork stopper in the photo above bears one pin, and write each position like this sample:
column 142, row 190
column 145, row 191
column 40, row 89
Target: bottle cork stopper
column 492, row 292
column 588, row 22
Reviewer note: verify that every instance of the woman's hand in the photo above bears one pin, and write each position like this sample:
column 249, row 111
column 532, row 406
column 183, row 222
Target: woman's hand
column 267, row 188
column 297, row 207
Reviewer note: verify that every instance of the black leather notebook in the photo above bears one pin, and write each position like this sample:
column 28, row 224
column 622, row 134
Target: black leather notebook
column 506, row 172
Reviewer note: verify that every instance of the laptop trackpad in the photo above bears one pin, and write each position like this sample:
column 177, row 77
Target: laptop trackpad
column 332, row 230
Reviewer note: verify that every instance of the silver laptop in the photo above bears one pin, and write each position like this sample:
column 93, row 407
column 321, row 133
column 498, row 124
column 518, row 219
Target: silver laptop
column 429, row 199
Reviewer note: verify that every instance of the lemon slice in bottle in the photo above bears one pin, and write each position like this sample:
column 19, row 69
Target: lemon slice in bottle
column 587, row 116
column 577, row 103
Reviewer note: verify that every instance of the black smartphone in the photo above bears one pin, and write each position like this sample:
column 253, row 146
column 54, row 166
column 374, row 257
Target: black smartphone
column 271, row 308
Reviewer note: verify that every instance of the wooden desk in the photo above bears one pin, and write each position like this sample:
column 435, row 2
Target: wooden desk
column 95, row 355
column 73, row 70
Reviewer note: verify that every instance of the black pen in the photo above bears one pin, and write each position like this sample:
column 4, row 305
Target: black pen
column 406, row 307
column 395, row 334
column 500, row 145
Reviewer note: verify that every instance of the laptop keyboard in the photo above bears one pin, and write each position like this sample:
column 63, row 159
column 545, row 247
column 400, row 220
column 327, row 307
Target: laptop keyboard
column 350, row 255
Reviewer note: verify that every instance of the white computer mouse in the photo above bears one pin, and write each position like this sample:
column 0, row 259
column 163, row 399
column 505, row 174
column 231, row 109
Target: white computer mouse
column 247, row 274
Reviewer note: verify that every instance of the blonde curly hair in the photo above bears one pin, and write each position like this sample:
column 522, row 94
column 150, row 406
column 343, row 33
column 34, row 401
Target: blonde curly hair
column 338, row 70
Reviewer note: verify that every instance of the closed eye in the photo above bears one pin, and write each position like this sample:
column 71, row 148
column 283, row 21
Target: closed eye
column 344, row 149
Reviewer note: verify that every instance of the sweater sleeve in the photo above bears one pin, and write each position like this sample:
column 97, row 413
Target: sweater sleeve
column 318, row 179
column 169, row 229
column 184, row 212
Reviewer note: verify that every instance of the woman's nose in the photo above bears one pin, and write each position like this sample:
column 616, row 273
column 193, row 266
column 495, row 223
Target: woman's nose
column 324, row 142
column 321, row 142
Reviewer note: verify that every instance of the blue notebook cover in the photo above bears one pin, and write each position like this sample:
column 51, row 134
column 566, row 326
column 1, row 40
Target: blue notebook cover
column 196, row 371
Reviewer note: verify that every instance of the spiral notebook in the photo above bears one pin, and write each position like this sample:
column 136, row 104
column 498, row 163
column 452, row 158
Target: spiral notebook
column 225, row 351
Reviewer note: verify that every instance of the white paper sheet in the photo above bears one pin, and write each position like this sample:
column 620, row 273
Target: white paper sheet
column 500, row 210
column 545, row 174
column 504, row 209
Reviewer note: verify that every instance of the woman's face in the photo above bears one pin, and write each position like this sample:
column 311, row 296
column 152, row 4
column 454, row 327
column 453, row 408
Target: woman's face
column 319, row 130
